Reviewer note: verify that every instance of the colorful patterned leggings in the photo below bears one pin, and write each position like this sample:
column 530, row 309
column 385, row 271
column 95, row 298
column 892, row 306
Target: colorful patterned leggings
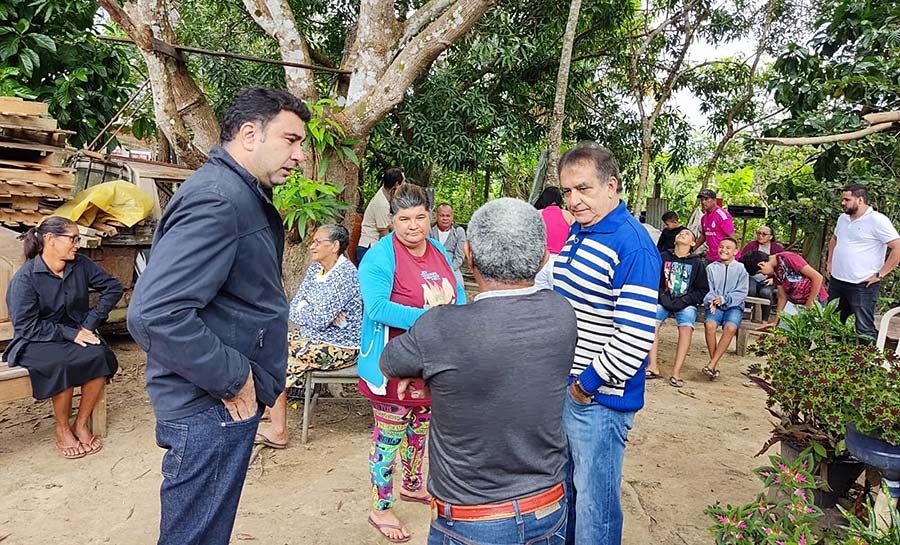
column 393, row 423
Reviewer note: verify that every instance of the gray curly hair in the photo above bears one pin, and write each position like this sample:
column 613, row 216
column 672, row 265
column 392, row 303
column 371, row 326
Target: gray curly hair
column 507, row 239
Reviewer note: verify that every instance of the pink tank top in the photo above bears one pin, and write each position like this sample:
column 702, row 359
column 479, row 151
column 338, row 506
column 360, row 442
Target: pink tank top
column 557, row 228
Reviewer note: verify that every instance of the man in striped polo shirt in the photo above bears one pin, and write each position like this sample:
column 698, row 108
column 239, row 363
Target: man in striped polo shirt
column 609, row 271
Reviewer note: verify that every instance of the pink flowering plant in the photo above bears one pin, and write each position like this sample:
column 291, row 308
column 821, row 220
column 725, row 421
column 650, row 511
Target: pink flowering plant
column 786, row 522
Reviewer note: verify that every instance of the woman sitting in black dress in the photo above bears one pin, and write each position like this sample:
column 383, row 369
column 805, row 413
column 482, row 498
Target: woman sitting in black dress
column 55, row 329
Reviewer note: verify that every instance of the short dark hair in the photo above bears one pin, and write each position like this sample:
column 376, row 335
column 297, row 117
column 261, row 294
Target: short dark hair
column 258, row 105
column 550, row 196
column 670, row 215
column 602, row 159
column 391, row 177
column 443, row 204
column 338, row 233
column 751, row 261
column 733, row 241
column 858, row 190
column 409, row 196
column 33, row 239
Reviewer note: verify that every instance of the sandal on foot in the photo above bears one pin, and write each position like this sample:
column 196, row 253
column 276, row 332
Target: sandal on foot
column 382, row 527
column 649, row 375
column 261, row 439
column 62, row 451
column 407, row 497
column 93, row 446
column 715, row 375
column 676, row 382
column 707, row 371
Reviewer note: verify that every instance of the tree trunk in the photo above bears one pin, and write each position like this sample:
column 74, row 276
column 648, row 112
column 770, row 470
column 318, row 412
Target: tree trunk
column 487, row 184
column 644, row 174
column 562, row 85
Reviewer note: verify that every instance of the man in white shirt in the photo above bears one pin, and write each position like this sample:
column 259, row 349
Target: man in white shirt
column 856, row 258
column 377, row 218
column 450, row 236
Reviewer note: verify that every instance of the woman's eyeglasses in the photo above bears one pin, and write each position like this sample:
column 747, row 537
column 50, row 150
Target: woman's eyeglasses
column 763, row 233
column 75, row 238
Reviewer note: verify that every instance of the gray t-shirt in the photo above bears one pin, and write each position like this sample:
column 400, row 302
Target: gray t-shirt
column 497, row 369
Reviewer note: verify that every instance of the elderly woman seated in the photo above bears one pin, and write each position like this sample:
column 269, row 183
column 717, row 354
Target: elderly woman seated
column 54, row 328
column 327, row 310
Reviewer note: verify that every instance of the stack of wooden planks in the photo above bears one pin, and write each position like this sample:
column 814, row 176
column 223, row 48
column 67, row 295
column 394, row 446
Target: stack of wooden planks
column 33, row 181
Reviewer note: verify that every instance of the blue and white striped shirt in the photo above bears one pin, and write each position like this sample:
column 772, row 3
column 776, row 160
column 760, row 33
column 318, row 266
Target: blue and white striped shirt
column 609, row 272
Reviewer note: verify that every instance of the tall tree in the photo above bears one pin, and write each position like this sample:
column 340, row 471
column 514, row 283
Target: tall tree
column 562, row 86
column 384, row 50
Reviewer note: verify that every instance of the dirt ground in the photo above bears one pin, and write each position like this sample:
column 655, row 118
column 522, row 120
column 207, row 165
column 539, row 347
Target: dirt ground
column 689, row 448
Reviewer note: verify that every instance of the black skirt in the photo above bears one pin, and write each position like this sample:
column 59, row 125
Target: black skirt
column 57, row 366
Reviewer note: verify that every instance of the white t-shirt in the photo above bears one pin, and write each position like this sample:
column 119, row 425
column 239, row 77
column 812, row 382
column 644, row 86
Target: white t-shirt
column 861, row 245
column 443, row 235
column 377, row 217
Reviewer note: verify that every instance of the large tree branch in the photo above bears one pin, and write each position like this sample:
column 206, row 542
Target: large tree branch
column 180, row 108
column 815, row 140
column 277, row 20
column 423, row 16
column 382, row 95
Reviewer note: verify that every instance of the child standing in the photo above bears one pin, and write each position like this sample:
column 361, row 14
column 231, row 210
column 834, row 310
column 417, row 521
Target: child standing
column 728, row 284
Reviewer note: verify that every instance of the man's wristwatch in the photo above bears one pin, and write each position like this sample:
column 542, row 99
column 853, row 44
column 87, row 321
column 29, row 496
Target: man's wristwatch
column 878, row 275
column 581, row 390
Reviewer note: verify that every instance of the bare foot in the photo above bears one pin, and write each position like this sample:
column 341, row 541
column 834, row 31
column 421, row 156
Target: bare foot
column 389, row 525
column 90, row 442
column 68, row 445
column 279, row 437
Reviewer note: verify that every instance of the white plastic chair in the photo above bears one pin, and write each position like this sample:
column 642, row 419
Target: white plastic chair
column 883, row 329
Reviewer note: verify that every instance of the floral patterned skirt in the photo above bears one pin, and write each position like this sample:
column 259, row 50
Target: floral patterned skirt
column 306, row 355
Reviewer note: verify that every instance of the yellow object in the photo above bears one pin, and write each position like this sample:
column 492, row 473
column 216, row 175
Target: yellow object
column 117, row 200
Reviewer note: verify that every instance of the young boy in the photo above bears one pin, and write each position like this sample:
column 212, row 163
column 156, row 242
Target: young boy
column 795, row 279
column 667, row 236
column 728, row 284
column 682, row 285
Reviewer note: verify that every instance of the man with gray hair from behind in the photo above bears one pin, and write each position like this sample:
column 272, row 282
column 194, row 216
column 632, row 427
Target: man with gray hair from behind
column 498, row 450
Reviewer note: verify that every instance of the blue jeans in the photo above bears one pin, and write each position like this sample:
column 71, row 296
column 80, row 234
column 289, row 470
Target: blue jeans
column 206, row 460
column 549, row 529
column 684, row 317
column 596, row 437
column 722, row 316
column 858, row 300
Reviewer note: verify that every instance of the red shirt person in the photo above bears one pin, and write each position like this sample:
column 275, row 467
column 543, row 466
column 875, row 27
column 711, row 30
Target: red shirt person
column 715, row 225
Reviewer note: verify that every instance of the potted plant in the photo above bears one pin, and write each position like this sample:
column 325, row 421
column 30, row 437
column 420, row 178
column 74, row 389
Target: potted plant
column 811, row 373
column 793, row 520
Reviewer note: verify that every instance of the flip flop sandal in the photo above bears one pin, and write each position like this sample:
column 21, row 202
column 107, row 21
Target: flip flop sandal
column 62, row 452
column 676, row 382
column 94, row 446
column 715, row 375
column 382, row 527
column 263, row 440
column 650, row 375
column 707, row 371
column 406, row 497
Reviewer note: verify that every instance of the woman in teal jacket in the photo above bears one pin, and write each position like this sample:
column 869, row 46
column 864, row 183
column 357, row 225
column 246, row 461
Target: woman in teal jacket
column 401, row 276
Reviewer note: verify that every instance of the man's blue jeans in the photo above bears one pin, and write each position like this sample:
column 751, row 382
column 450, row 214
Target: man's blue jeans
column 596, row 452
column 858, row 300
column 206, row 460
column 549, row 529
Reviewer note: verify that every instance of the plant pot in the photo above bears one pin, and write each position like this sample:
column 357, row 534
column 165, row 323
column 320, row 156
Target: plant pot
column 842, row 473
column 877, row 453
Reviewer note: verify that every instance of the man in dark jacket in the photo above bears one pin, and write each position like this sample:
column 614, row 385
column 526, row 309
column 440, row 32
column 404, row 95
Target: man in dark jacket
column 682, row 285
column 211, row 312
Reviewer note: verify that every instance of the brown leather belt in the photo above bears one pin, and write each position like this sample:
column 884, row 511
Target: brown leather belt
column 503, row 510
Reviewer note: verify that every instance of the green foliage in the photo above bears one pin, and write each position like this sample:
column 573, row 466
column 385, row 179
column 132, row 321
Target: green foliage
column 52, row 55
column 306, row 204
column 819, row 377
column 793, row 520
column 763, row 521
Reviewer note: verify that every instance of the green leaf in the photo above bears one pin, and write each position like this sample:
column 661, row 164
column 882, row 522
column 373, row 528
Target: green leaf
column 43, row 41
column 8, row 49
column 355, row 160
column 21, row 26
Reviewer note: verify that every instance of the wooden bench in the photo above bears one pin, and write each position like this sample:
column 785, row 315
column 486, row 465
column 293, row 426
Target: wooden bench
column 743, row 333
column 310, row 379
column 16, row 384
